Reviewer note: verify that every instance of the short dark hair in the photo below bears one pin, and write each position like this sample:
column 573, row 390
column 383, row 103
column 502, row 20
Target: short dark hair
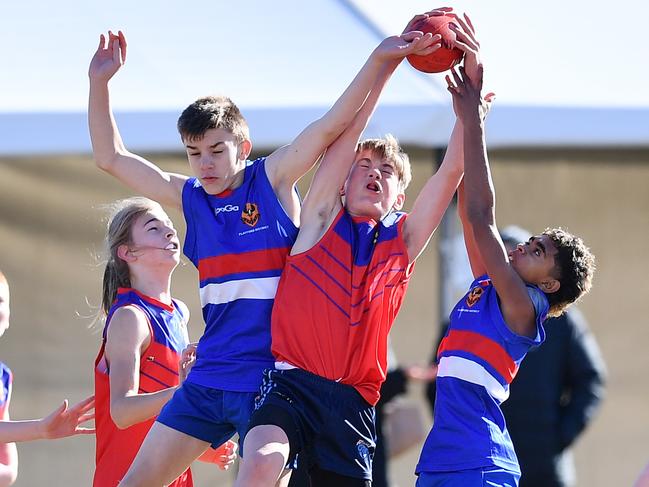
column 212, row 112
column 574, row 265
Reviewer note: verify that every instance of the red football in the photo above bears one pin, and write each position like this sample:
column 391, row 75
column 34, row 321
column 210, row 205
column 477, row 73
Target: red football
column 446, row 56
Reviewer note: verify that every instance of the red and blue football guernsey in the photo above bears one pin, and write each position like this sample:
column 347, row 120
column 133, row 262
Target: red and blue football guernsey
column 337, row 301
column 6, row 377
column 478, row 359
column 116, row 448
column 239, row 241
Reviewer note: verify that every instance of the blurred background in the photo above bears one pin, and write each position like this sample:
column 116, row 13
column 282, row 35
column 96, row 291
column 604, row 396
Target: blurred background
column 568, row 139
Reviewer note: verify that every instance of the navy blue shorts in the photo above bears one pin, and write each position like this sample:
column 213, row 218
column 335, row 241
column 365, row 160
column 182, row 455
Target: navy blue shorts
column 328, row 424
column 211, row 415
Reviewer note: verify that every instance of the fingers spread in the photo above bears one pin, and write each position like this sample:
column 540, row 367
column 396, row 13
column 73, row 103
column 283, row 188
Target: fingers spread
column 85, row 431
column 469, row 23
column 122, row 43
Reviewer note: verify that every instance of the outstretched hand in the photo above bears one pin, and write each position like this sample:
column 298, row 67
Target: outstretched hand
column 466, row 41
column 64, row 422
column 109, row 57
column 466, row 91
column 413, row 42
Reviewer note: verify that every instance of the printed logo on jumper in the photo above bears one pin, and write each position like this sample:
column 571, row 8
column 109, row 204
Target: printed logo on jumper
column 363, row 449
column 226, row 208
column 250, row 214
column 474, row 296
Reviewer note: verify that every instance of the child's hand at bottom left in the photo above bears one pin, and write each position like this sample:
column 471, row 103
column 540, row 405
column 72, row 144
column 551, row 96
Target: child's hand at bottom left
column 223, row 456
column 66, row 421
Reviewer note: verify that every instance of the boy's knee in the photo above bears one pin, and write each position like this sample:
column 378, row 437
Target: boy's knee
column 260, row 469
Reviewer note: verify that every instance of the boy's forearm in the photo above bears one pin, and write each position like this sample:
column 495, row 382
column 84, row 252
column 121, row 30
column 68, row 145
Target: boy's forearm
column 479, row 192
column 364, row 114
column 350, row 102
column 454, row 155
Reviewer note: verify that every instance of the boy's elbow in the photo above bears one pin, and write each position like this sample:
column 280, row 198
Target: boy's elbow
column 107, row 162
column 103, row 163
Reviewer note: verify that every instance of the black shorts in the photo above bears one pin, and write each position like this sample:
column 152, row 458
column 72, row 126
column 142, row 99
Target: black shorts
column 327, row 423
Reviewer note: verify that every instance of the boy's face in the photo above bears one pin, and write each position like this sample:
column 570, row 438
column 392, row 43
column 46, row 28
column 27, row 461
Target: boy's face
column 534, row 261
column 372, row 187
column 4, row 306
column 154, row 241
column 217, row 160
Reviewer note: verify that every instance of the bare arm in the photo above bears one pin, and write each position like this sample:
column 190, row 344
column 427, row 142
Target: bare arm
column 61, row 422
column 434, row 198
column 288, row 164
column 128, row 336
column 8, row 454
column 323, row 200
column 516, row 305
column 323, row 196
column 108, row 149
column 475, row 259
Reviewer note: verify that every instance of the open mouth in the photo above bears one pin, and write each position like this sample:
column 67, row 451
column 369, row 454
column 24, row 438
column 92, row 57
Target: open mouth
column 374, row 186
column 172, row 246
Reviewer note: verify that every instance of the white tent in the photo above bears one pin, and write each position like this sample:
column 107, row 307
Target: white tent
column 283, row 63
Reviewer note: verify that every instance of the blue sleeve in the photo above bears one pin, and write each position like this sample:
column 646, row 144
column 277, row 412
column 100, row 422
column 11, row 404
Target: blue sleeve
column 541, row 307
column 7, row 380
column 190, row 193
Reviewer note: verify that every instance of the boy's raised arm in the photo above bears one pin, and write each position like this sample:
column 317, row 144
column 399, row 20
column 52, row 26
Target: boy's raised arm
column 436, row 195
column 473, row 251
column 323, row 193
column 107, row 146
column 516, row 304
column 434, row 198
column 289, row 163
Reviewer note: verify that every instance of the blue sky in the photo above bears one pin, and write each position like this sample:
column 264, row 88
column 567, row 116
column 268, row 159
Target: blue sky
column 574, row 52
column 289, row 52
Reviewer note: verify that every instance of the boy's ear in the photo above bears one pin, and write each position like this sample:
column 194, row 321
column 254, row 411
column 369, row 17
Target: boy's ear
column 550, row 285
column 398, row 204
column 343, row 189
column 245, row 148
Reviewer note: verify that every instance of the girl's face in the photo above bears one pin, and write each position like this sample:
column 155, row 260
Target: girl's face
column 4, row 306
column 154, row 240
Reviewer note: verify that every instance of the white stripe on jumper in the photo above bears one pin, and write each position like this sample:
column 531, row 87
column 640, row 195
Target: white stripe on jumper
column 472, row 372
column 226, row 292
